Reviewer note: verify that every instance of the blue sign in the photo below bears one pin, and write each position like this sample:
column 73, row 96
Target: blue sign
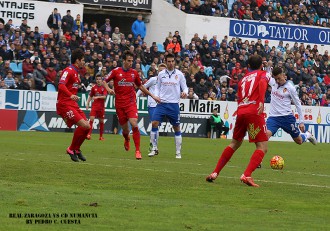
column 273, row 31
column 12, row 100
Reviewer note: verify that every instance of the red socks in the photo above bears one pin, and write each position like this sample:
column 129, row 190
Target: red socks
column 79, row 137
column 90, row 124
column 224, row 158
column 101, row 129
column 255, row 160
column 136, row 138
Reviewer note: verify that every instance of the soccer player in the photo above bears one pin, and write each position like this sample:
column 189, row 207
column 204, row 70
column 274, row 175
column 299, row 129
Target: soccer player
column 98, row 94
column 169, row 85
column 250, row 118
column 280, row 113
column 151, row 85
column 67, row 106
column 125, row 79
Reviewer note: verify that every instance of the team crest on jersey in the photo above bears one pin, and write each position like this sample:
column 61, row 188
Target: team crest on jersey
column 285, row 90
column 176, row 77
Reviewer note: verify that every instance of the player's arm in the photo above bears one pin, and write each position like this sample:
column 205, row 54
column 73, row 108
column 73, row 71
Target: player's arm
column 88, row 102
column 262, row 91
column 147, row 85
column 145, row 91
column 183, row 86
column 63, row 89
column 297, row 103
column 107, row 78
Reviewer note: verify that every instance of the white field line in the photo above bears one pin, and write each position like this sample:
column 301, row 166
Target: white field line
column 185, row 173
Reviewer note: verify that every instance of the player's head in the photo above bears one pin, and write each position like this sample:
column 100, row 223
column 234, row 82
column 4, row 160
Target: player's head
column 170, row 61
column 215, row 112
column 255, row 62
column 279, row 76
column 127, row 59
column 98, row 79
column 161, row 67
column 77, row 58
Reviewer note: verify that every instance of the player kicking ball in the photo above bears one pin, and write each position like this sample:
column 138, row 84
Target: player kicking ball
column 67, row 106
column 280, row 113
column 151, row 86
column 98, row 94
column 125, row 79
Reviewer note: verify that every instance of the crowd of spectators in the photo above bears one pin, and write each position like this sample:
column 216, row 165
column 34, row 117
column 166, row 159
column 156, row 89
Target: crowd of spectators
column 303, row 12
column 212, row 66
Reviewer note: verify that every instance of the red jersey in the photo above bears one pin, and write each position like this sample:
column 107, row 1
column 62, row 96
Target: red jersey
column 96, row 90
column 251, row 91
column 71, row 79
column 124, row 85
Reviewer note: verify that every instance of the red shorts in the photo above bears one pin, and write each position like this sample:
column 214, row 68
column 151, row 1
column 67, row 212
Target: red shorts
column 126, row 113
column 255, row 125
column 97, row 113
column 71, row 114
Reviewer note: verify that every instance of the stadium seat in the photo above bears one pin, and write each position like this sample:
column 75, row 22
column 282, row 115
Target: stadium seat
column 161, row 48
column 51, row 87
column 14, row 68
column 20, row 67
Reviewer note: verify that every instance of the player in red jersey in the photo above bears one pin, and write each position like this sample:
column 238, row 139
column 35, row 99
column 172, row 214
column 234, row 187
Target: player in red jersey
column 67, row 106
column 250, row 118
column 98, row 94
column 125, row 79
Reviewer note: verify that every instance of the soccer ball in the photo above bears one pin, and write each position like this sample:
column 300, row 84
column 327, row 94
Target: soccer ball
column 277, row 162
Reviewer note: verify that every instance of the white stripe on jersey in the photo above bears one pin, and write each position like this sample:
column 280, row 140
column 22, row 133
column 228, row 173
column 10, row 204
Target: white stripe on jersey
column 280, row 103
column 169, row 86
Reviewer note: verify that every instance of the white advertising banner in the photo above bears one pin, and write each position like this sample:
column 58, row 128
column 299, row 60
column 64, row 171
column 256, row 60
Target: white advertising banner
column 36, row 12
column 317, row 119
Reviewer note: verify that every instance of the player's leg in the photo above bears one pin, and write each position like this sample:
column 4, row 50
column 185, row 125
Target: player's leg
column 173, row 114
column 227, row 153
column 273, row 124
column 132, row 115
column 91, row 121
column 81, row 132
column 101, row 128
column 123, row 121
column 151, row 112
column 257, row 134
column 157, row 115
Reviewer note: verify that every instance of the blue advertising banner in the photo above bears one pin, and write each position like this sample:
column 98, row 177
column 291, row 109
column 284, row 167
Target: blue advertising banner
column 273, row 31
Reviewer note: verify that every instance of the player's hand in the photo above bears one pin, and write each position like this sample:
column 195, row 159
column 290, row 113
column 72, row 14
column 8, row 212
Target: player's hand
column 156, row 98
column 183, row 95
column 75, row 98
column 260, row 108
column 87, row 107
column 302, row 127
column 111, row 92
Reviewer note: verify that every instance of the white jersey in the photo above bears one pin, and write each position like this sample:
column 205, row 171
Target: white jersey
column 151, row 84
column 169, row 86
column 280, row 103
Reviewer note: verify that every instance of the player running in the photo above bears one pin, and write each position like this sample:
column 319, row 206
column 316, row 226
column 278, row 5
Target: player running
column 280, row 113
column 125, row 79
column 170, row 83
column 67, row 106
column 250, row 118
column 151, row 85
column 98, row 94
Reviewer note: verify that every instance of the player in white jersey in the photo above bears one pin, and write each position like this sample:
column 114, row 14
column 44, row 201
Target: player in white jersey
column 280, row 113
column 170, row 83
column 151, row 85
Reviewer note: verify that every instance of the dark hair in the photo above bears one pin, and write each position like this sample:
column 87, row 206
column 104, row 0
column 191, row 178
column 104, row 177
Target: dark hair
column 77, row 54
column 255, row 61
column 169, row 56
column 127, row 54
column 277, row 71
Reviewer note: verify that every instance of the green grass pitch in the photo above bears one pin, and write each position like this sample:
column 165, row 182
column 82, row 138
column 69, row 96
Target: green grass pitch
column 39, row 184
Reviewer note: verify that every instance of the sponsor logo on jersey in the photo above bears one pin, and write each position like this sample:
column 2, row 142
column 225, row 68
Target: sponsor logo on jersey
column 123, row 83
